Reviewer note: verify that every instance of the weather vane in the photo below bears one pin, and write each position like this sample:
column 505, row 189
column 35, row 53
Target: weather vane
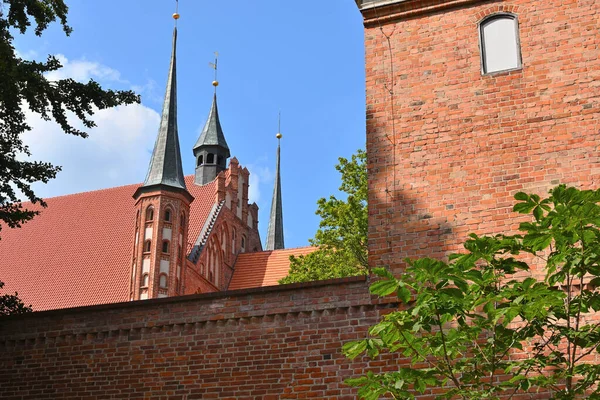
column 176, row 13
column 279, row 135
column 215, row 67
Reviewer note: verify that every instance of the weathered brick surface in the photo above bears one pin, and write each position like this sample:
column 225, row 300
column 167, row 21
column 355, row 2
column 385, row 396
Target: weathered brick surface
column 262, row 343
column 447, row 154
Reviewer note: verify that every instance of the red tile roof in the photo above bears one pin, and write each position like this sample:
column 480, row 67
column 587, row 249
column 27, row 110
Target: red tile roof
column 264, row 268
column 77, row 252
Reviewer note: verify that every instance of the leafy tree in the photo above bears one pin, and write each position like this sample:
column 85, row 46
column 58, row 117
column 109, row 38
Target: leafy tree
column 483, row 326
column 342, row 235
column 12, row 304
column 23, row 84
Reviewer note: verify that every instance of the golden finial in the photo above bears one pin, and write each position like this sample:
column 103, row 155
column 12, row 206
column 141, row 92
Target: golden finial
column 279, row 135
column 176, row 14
column 214, row 65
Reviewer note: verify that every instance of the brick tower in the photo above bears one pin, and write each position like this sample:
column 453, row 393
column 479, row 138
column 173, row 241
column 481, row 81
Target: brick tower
column 163, row 206
column 469, row 102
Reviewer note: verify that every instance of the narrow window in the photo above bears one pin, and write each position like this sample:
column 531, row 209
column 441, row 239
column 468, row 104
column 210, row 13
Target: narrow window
column 149, row 213
column 200, row 160
column 500, row 48
column 220, row 160
column 147, row 245
column 165, row 247
column 167, row 215
column 243, row 244
column 210, row 276
column 182, row 220
column 162, row 281
column 233, row 249
column 210, row 159
column 145, row 279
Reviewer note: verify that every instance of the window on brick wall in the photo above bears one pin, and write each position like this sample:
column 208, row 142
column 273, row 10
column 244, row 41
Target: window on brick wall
column 165, row 246
column 147, row 246
column 145, row 279
column 500, row 47
column 149, row 213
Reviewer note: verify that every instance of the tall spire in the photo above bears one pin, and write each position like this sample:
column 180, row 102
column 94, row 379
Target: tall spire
column 275, row 232
column 165, row 165
column 211, row 150
column 212, row 133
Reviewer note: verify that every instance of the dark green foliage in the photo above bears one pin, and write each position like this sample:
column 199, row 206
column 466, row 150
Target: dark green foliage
column 462, row 320
column 342, row 234
column 23, row 85
column 11, row 304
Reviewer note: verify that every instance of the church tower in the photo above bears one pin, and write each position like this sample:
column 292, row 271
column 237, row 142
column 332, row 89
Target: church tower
column 211, row 150
column 162, row 208
column 275, row 231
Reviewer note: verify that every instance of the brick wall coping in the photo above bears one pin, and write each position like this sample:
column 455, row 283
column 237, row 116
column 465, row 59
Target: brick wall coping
column 384, row 12
column 187, row 298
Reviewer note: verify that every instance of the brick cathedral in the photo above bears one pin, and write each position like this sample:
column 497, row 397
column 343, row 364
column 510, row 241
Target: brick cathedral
column 468, row 102
column 170, row 236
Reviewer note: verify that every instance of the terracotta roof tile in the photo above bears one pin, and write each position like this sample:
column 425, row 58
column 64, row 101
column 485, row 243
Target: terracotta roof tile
column 77, row 252
column 264, row 268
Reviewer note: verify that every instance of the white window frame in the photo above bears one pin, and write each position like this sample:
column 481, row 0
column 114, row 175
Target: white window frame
column 480, row 25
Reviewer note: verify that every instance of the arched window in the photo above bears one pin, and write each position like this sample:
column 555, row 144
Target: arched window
column 243, row 249
column 149, row 213
column 210, row 159
column 233, row 233
column 168, row 215
column 162, row 281
column 200, row 160
column 145, row 279
column 500, row 47
column 147, row 246
column 220, row 160
column 182, row 220
column 165, row 246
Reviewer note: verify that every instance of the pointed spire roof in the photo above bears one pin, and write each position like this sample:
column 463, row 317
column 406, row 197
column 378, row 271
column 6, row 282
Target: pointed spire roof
column 165, row 165
column 212, row 134
column 275, row 232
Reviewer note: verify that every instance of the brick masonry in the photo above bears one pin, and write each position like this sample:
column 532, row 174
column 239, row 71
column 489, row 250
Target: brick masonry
column 270, row 343
column 445, row 157
column 448, row 152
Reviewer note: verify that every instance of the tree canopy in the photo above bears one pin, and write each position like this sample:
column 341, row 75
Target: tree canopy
column 23, row 85
column 514, row 314
column 342, row 235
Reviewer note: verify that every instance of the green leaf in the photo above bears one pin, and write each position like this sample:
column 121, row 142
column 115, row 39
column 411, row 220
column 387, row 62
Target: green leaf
column 384, row 288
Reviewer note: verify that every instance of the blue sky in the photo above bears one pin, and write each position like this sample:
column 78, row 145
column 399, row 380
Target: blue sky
column 305, row 59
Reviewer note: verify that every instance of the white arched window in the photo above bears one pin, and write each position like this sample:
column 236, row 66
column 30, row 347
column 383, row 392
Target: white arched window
column 500, row 47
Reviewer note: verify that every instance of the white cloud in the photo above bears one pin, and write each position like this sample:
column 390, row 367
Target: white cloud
column 261, row 178
column 83, row 70
column 116, row 152
column 149, row 92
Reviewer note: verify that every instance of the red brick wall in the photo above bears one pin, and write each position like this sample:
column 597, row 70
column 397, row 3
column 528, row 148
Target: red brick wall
column 446, row 156
column 266, row 343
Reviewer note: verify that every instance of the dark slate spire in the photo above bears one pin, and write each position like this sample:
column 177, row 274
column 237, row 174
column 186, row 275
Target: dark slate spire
column 211, row 150
column 212, row 134
column 275, row 232
column 165, row 165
